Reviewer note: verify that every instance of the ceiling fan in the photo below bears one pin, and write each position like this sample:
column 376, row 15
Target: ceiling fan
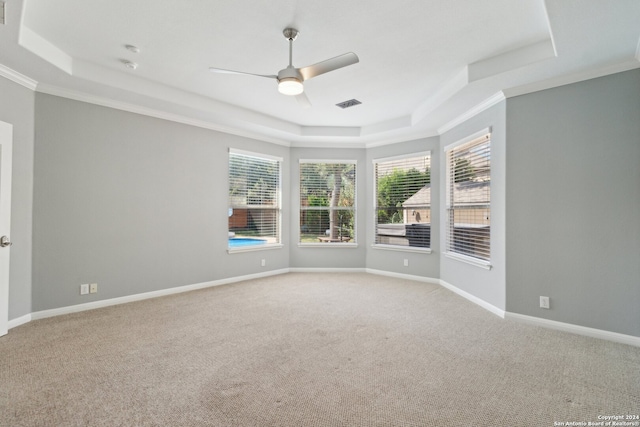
column 290, row 79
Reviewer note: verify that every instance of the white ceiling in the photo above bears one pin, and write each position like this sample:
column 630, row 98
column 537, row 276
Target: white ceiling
column 423, row 63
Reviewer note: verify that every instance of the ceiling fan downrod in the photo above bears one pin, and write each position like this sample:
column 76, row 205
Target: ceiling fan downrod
column 290, row 34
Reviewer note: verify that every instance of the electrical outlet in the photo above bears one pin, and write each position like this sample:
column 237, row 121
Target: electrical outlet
column 93, row 288
column 263, row 262
column 84, row 289
column 544, row 302
column 406, row 263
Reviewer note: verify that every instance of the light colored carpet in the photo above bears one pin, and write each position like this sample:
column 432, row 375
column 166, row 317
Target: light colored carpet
column 308, row 350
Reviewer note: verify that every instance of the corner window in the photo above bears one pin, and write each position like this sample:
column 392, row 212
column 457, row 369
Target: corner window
column 403, row 202
column 468, row 198
column 254, row 201
column 327, row 202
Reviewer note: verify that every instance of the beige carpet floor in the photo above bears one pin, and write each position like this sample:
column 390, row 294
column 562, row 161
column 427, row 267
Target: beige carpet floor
column 309, row 350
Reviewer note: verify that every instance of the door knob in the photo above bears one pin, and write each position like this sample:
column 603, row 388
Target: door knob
column 4, row 242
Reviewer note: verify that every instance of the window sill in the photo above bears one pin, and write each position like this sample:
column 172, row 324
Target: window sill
column 328, row 245
column 399, row 248
column 469, row 260
column 255, row 248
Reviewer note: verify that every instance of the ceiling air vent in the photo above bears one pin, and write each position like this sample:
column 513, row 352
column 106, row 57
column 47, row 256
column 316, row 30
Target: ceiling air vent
column 349, row 103
column 2, row 14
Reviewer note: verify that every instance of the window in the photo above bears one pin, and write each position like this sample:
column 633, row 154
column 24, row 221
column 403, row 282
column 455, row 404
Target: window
column 468, row 198
column 403, row 201
column 327, row 202
column 254, row 201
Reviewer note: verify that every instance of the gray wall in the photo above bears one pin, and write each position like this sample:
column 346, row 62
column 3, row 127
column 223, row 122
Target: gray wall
column 573, row 191
column 133, row 203
column 488, row 285
column 16, row 108
column 422, row 265
column 328, row 257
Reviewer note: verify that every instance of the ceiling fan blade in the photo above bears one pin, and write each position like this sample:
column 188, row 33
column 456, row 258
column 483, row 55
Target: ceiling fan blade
column 303, row 100
column 329, row 65
column 223, row 71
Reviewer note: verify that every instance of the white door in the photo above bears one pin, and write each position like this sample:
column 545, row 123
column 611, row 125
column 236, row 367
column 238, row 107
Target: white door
column 6, row 143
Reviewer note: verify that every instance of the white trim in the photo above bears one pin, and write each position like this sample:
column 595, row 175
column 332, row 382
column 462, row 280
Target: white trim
column 19, row 321
column 403, row 156
column 575, row 329
column 326, row 270
column 252, row 248
column 400, row 139
column 403, row 276
column 16, row 77
column 568, row 79
column 469, row 260
column 150, row 112
column 484, row 105
column 399, row 248
column 148, row 295
column 6, row 161
column 472, row 137
column 535, row 321
column 474, row 299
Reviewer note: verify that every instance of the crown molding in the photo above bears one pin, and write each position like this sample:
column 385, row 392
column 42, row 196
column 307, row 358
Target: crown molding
column 16, row 77
column 133, row 108
column 571, row 78
column 486, row 104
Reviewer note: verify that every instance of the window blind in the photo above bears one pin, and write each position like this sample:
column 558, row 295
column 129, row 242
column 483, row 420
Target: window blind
column 327, row 202
column 254, row 199
column 403, row 201
column 469, row 198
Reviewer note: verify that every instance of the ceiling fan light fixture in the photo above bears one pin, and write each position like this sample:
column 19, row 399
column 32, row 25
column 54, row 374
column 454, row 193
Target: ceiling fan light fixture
column 290, row 86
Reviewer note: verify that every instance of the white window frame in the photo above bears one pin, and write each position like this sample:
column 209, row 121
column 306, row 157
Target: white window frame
column 346, row 245
column 266, row 246
column 486, row 264
column 393, row 247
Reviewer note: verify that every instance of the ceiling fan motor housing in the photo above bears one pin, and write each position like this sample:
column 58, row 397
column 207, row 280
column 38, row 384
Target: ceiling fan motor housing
column 290, row 81
column 290, row 73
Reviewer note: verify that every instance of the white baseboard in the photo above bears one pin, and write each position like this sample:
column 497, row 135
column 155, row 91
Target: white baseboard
column 566, row 327
column 43, row 314
column 147, row 295
column 474, row 299
column 403, row 276
column 326, row 270
column 575, row 329
column 14, row 323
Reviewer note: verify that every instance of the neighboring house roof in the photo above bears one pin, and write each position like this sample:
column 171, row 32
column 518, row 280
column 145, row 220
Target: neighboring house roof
column 420, row 198
column 466, row 192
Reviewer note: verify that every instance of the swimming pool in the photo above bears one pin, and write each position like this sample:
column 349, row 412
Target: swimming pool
column 236, row 242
